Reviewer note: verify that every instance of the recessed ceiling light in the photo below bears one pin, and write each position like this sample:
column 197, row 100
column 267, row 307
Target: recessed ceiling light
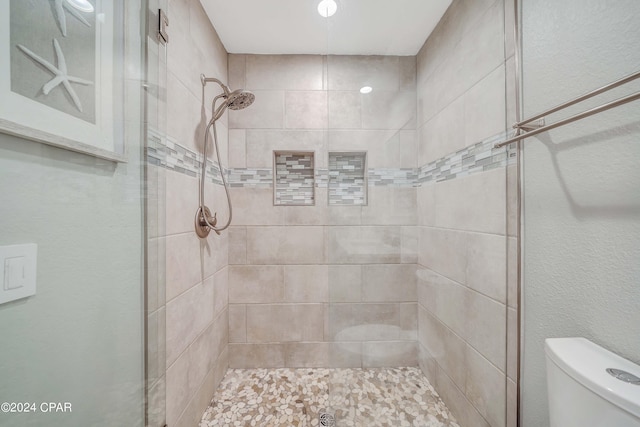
column 81, row 5
column 327, row 8
column 366, row 89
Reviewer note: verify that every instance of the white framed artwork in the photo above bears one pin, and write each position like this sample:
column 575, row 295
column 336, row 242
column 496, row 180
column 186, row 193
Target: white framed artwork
column 58, row 83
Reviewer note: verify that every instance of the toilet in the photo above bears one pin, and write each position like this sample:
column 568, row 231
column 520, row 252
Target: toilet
column 581, row 391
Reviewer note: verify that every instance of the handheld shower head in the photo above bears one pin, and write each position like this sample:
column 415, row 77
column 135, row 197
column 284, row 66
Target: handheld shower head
column 236, row 100
column 240, row 99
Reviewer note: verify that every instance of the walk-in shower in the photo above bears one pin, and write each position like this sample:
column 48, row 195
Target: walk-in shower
column 232, row 100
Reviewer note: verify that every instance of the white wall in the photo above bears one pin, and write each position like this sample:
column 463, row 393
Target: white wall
column 581, row 198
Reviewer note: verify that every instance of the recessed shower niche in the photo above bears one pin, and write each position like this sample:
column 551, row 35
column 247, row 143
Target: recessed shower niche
column 348, row 178
column 293, row 178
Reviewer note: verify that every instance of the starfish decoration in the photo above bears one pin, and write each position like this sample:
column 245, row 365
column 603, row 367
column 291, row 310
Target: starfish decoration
column 60, row 6
column 60, row 73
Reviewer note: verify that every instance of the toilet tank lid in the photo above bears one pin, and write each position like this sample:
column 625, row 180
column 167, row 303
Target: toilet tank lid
column 587, row 362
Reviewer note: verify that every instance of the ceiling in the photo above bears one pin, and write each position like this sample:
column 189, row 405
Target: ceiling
column 359, row 27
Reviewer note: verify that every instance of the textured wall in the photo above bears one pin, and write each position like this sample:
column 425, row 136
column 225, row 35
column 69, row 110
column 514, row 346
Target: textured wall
column 462, row 285
column 581, row 199
column 322, row 285
column 196, row 270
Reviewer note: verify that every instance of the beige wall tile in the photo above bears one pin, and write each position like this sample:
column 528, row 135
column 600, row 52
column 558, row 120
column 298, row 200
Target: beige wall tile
column 409, row 244
column 363, row 245
column 389, row 354
column 308, row 215
column 383, row 147
column 464, row 412
column 306, row 109
column 481, row 123
column 214, row 250
column 444, row 251
column 345, row 355
column 486, row 328
column 237, row 148
column 345, row 215
column 407, row 73
column 254, row 206
column 486, row 265
column 181, row 202
column 390, row 206
column 266, row 112
column 474, row 203
column 389, row 283
column 372, row 322
column 408, row 148
column 345, row 283
column 256, row 284
column 452, row 301
column 426, row 200
column 307, row 354
column 344, row 110
column 482, row 49
column 441, row 133
column 380, row 72
column 284, row 323
column 246, row 356
column 237, row 323
column 389, row 110
column 187, row 316
column 237, row 245
column 237, row 71
column 485, row 388
column 447, row 348
column 427, row 288
column 199, row 402
column 306, row 283
column 184, row 114
column 220, row 291
column 291, row 245
column 427, row 365
column 262, row 143
column 285, row 72
column 177, row 388
column 183, row 263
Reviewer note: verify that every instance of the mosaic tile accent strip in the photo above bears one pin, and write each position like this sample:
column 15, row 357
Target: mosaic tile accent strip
column 476, row 158
column 257, row 177
column 347, row 178
column 381, row 397
column 480, row 157
column 167, row 153
column 393, row 177
column 294, row 179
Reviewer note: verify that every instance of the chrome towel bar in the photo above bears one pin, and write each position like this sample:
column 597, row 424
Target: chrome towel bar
column 535, row 125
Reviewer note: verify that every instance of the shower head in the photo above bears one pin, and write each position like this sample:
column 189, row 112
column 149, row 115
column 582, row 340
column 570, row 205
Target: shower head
column 236, row 100
column 240, row 99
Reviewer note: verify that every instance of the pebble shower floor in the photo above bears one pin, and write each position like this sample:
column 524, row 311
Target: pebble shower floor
column 381, row 397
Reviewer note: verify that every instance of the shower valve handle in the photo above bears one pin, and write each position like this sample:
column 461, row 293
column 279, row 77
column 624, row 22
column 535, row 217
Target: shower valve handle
column 205, row 222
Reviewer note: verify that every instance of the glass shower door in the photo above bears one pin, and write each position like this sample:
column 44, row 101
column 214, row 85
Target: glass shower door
column 73, row 352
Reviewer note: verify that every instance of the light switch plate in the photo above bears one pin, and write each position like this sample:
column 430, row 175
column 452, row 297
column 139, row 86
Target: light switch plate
column 18, row 266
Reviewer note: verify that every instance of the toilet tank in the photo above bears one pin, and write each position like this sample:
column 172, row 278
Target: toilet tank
column 582, row 393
